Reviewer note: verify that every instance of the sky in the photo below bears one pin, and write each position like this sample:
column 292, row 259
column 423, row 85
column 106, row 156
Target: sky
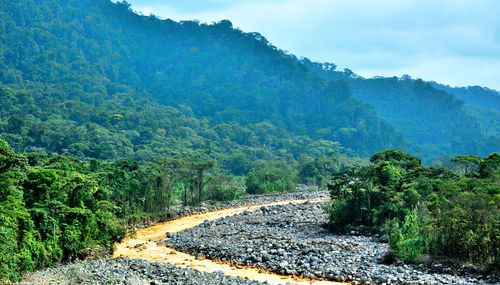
column 454, row 42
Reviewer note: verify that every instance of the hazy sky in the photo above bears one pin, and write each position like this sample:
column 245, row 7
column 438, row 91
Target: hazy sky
column 456, row 42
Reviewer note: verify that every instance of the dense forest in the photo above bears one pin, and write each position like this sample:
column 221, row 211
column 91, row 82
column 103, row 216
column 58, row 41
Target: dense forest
column 91, row 79
column 481, row 102
column 107, row 117
column 425, row 210
column 436, row 120
column 56, row 208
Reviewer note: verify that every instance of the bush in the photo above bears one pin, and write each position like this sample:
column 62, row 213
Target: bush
column 409, row 238
column 270, row 179
column 458, row 214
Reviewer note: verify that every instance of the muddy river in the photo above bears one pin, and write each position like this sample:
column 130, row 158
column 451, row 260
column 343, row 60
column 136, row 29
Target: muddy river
column 144, row 245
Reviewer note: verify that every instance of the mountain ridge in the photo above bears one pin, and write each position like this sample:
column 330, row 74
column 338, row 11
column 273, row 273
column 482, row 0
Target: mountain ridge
column 147, row 84
column 98, row 62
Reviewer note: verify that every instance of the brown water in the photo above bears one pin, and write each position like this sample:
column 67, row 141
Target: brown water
column 144, row 245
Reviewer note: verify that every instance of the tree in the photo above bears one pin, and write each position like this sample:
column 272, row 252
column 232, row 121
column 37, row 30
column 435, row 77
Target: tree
column 424, row 209
column 274, row 177
column 397, row 158
column 10, row 162
column 169, row 174
column 13, row 213
column 199, row 172
column 43, row 186
column 490, row 165
column 467, row 163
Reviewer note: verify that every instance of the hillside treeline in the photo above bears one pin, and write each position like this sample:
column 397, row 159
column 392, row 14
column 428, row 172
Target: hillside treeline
column 425, row 210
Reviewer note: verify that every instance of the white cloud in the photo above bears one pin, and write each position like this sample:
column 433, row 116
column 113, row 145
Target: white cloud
column 454, row 42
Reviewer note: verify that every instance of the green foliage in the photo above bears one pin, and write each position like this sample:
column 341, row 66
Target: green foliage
column 186, row 90
column 317, row 170
column 90, row 111
column 445, row 125
column 467, row 163
column 274, row 177
column 222, row 189
column 410, row 238
column 482, row 103
column 490, row 166
column 424, row 209
column 397, row 158
column 47, row 215
column 199, row 173
column 58, row 208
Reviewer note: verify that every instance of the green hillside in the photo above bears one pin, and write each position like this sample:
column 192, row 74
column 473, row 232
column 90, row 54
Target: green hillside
column 92, row 79
column 481, row 102
column 435, row 120
column 108, row 118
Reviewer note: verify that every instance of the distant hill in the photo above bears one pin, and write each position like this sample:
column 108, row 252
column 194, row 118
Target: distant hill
column 435, row 119
column 477, row 96
column 481, row 102
column 92, row 79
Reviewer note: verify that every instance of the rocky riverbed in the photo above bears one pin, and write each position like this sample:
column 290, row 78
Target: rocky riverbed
column 130, row 272
column 135, row 271
column 179, row 211
column 291, row 239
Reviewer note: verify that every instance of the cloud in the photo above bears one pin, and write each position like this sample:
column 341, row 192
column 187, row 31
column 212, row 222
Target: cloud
column 455, row 42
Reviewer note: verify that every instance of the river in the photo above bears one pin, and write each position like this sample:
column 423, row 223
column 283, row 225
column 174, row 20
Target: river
column 144, row 244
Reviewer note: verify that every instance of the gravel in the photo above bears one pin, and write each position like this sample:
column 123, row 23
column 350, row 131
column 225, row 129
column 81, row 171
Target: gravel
column 130, row 272
column 246, row 200
column 134, row 271
column 291, row 239
column 286, row 239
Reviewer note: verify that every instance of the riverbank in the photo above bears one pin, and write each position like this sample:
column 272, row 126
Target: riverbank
column 130, row 272
column 180, row 211
column 291, row 239
column 282, row 240
column 95, row 272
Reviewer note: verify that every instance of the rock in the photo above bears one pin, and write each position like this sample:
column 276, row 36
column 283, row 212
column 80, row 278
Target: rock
column 283, row 264
column 266, row 257
column 387, row 258
column 257, row 258
column 291, row 239
column 383, row 239
column 130, row 271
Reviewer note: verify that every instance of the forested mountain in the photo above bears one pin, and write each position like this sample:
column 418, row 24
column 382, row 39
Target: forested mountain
column 92, row 79
column 481, row 102
column 107, row 117
column 429, row 117
column 433, row 117
column 477, row 96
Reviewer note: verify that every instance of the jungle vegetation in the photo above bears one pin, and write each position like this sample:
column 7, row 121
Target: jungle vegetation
column 425, row 210
column 107, row 116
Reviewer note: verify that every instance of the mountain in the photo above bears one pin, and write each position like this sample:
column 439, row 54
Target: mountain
column 481, row 102
column 436, row 120
column 477, row 96
column 92, row 79
column 430, row 118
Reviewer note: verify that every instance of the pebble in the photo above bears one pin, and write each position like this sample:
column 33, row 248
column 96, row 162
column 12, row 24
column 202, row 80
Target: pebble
column 292, row 239
column 131, row 272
